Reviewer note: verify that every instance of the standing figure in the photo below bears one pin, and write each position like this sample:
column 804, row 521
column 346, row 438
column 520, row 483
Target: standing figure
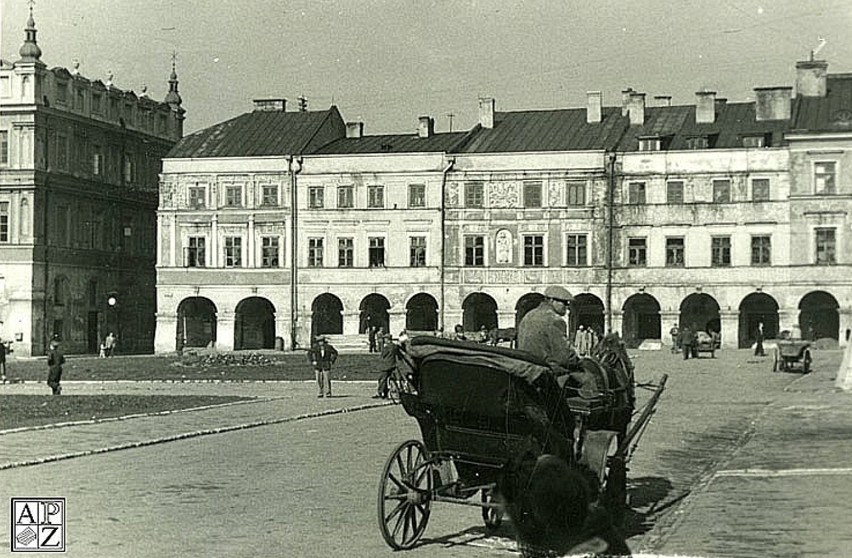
column 4, row 348
column 389, row 354
column 55, row 360
column 758, row 345
column 322, row 355
column 458, row 333
column 109, row 344
column 687, row 339
column 675, row 333
column 582, row 341
column 380, row 339
column 371, row 336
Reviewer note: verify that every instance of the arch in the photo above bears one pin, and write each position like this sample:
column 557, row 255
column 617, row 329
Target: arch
column 587, row 310
column 421, row 313
column 525, row 304
column 326, row 315
column 254, row 324
column 374, row 312
column 754, row 309
column 700, row 312
column 819, row 316
column 641, row 319
column 196, row 322
column 479, row 309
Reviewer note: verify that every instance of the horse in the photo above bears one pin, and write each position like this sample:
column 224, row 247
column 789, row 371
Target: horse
column 498, row 335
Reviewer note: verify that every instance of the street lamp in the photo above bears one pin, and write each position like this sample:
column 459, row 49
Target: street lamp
column 115, row 310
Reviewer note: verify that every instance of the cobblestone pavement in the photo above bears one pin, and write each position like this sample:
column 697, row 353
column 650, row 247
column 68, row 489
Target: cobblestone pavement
column 738, row 461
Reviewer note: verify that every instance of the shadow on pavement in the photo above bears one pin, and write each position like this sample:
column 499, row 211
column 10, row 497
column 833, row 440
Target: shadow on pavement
column 649, row 496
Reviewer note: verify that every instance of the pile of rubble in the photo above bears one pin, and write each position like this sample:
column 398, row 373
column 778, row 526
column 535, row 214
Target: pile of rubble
column 229, row 359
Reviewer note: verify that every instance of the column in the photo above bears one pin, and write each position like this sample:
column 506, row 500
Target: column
column 252, row 257
column 451, row 318
column 303, row 328
column 788, row 319
column 283, row 326
column 165, row 335
column 351, row 321
column 173, row 241
column 159, row 239
column 225, row 331
column 396, row 320
column 730, row 320
column 617, row 321
column 505, row 318
column 845, row 324
column 214, row 241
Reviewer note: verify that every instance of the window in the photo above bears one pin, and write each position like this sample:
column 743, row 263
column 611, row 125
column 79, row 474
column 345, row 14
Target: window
column 5, row 86
column 96, row 103
column 826, row 246
column 576, row 193
column 269, row 251
column 698, row 142
column 474, row 251
column 195, row 253
column 760, row 189
column 60, row 288
column 636, row 193
column 637, row 252
column 316, row 196
column 377, row 251
column 375, row 196
column 345, row 197
column 754, row 141
column 649, row 144
column 577, row 250
column 315, row 246
column 269, row 195
column 416, row 195
column 720, row 251
column 81, row 100
column 4, row 222
column 129, row 171
column 345, row 252
column 473, row 194
column 761, row 250
column 674, row 251
column 721, row 191
column 197, row 195
column 532, row 194
column 825, row 174
column 97, row 160
column 62, row 92
column 93, row 292
column 534, row 250
column 674, row 192
column 233, row 251
column 233, row 195
column 417, row 251
column 4, row 147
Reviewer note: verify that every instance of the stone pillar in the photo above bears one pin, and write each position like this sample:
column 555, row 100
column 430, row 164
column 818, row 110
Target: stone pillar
column 451, row 318
column 730, row 320
column 351, row 322
column 303, row 328
column 282, row 326
column 396, row 320
column 165, row 335
column 225, row 331
column 252, row 256
column 617, row 322
column 845, row 324
column 505, row 318
column 667, row 320
column 173, row 242
column 788, row 318
column 214, row 242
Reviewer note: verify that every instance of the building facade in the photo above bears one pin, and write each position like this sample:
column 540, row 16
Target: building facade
column 79, row 171
column 713, row 215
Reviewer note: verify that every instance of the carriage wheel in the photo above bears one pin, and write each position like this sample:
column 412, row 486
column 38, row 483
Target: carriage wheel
column 393, row 389
column 405, row 495
column 493, row 517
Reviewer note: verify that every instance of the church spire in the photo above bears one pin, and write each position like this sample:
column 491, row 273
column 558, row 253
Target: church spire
column 173, row 97
column 30, row 51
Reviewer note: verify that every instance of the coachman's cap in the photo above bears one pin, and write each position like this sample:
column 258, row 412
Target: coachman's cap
column 558, row 293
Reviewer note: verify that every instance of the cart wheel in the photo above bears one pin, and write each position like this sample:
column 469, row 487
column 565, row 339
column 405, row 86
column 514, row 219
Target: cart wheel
column 405, row 495
column 393, row 390
column 493, row 517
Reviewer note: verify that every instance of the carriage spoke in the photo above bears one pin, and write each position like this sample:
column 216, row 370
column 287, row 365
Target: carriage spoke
column 400, row 466
column 412, row 519
column 394, row 480
column 408, row 459
column 399, row 519
column 405, row 517
column 399, row 507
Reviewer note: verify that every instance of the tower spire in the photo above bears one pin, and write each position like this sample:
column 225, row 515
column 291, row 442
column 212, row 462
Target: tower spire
column 30, row 51
column 173, row 97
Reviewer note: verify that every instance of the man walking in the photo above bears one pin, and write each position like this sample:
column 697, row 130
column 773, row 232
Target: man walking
column 55, row 360
column 687, row 339
column 388, row 365
column 675, row 333
column 322, row 355
column 758, row 346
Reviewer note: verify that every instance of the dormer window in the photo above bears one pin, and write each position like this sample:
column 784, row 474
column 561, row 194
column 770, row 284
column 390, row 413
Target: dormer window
column 649, row 143
column 756, row 141
column 697, row 142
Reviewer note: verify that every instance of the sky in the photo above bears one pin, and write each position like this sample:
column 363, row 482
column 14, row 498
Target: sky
column 388, row 62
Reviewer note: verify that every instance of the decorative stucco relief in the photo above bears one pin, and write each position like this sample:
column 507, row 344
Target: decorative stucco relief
column 474, row 276
column 502, row 277
column 534, row 276
column 452, row 194
column 503, row 194
column 555, row 191
column 504, row 246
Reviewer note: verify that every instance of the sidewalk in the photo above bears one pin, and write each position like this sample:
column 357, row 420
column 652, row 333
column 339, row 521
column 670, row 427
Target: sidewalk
column 275, row 403
column 785, row 492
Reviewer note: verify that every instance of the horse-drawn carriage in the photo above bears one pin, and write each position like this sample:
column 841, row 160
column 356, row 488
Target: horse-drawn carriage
column 790, row 354
column 479, row 408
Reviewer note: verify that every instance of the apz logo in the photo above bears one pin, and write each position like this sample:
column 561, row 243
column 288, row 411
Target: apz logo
column 38, row 524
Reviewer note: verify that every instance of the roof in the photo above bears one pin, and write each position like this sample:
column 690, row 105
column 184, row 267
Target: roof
column 394, row 143
column 547, row 130
column 257, row 134
column 830, row 113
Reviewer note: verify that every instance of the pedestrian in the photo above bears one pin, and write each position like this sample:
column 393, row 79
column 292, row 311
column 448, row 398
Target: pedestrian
column 55, row 360
column 458, row 333
column 675, row 333
column 687, row 339
column 4, row 349
column 758, row 345
column 389, row 355
column 322, row 355
column 581, row 339
column 371, row 336
column 380, row 339
column 110, row 343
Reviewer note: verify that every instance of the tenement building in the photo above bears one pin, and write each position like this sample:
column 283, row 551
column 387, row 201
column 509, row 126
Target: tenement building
column 281, row 225
column 79, row 171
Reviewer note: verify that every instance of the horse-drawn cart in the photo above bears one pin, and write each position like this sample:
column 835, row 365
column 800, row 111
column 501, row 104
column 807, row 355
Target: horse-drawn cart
column 792, row 354
column 479, row 408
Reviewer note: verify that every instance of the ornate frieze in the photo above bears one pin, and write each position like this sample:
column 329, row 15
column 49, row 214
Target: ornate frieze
column 504, row 194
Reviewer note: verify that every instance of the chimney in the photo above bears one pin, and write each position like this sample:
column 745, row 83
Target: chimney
column 486, row 112
column 636, row 108
column 811, row 78
column 663, row 100
column 354, row 129
column 426, row 127
column 773, row 103
column 270, row 105
column 593, row 108
column 705, row 107
column 625, row 100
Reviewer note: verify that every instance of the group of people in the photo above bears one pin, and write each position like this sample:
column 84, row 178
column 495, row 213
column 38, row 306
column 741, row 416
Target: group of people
column 585, row 340
column 107, row 348
column 377, row 338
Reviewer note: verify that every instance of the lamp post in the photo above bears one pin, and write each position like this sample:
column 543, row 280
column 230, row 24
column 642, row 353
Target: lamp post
column 115, row 311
